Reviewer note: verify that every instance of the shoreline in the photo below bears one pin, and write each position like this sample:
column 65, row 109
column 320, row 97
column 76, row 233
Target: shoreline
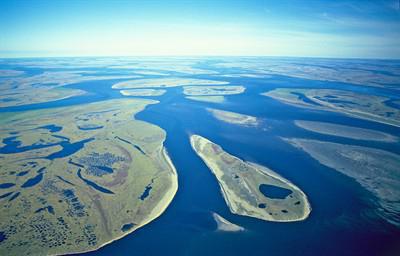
column 157, row 211
column 307, row 207
column 360, row 115
column 224, row 225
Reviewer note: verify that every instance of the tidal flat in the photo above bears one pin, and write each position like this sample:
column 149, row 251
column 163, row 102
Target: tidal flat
column 45, row 87
column 225, row 225
column 143, row 92
column 376, row 170
column 250, row 189
column 165, row 82
column 213, row 90
column 345, row 131
column 364, row 106
column 372, row 73
column 74, row 190
column 210, row 99
column 234, row 118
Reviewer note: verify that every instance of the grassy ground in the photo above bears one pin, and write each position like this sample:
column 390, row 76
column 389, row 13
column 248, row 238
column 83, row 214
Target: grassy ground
column 240, row 185
column 64, row 212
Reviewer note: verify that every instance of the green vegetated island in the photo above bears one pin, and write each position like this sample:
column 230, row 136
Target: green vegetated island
column 376, row 170
column 365, row 106
column 234, row 118
column 250, row 189
column 74, row 179
column 345, row 131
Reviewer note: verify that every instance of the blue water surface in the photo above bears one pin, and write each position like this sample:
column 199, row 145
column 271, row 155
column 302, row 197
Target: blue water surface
column 343, row 219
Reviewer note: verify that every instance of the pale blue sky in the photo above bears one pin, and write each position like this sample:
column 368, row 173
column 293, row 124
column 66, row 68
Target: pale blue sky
column 324, row 28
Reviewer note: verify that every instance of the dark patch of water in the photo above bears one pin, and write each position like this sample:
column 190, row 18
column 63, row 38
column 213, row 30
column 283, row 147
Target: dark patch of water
column 274, row 192
column 127, row 227
column 23, row 173
column 5, row 195
column 6, row 185
column 134, row 145
column 392, row 103
column 14, row 196
column 2, row 236
column 33, row 181
column 12, row 145
column 51, row 128
column 64, row 180
column 48, row 208
column 146, row 192
column 104, row 168
column 304, row 98
column 93, row 184
column 68, row 148
column 90, row 128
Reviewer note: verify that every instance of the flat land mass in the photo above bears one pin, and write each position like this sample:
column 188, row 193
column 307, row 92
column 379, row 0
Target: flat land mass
column 45, row 87
column 143, row 92
column 10, row 72
column 74, row 179
column 225, row 225
column 252, row 190
column 364, row 106
column 212, row 90
column 345, row 131
column 234, row 118
column 382, row 76
column 164, row 82
column 211, row 99
column 376, row 170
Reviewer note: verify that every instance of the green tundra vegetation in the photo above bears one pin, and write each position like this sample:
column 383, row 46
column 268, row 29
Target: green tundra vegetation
column 250, row 189
column 74, row 179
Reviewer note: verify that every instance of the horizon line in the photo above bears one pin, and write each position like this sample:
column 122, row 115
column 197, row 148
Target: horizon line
column 197, row 56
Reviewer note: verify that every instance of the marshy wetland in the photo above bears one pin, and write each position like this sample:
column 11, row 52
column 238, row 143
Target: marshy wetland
column 289, row 155
column 75, row 189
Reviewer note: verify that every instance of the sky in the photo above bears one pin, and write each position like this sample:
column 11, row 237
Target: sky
column 306, row 28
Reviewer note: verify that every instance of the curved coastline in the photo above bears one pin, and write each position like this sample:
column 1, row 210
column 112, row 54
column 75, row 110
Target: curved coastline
column 154, row 214
column 231, row 197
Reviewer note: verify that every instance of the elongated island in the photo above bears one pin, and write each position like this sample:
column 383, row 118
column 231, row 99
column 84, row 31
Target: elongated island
column 250, row 189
